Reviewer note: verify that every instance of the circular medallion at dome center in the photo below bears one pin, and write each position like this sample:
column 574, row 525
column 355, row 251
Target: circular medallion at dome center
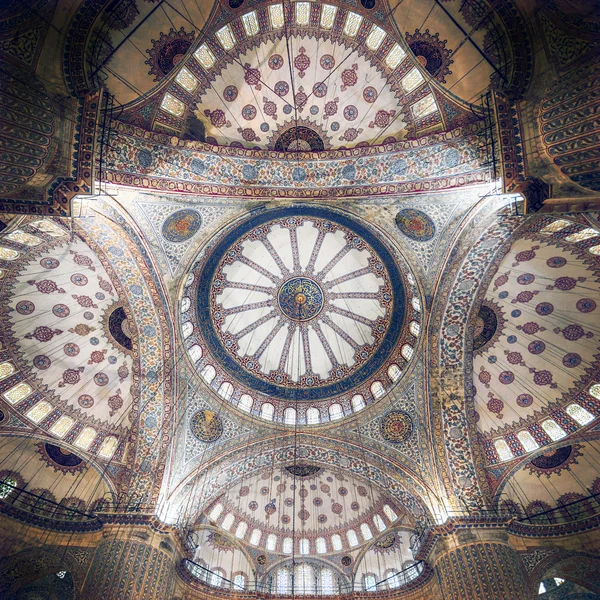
column 300, row 299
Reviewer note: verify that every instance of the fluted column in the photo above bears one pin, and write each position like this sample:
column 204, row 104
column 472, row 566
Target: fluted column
column 131, row 564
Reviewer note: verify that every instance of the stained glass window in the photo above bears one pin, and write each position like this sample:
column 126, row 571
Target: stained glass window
column 7, row 486
column 266, row 411
column 18, row 392
column 271, row 542
column 527, row 441
column 407, row 351
column 304, row 546
column 8, row 253
column 85, row 438
column 366, row 532
column 581, row 236
column 415, row 328
column 504, row 452
column 595, row 390
column 250, row 23
column 425, row 106
column 328, row 13
column 389, row 513
column 377, row 389
column 195, row 353
column 304, row 580
column 60, row 428
column 226, row 390
column 186, row 80
column 393, row 580
column 276, row 15
column 379, row 523
column 394, row 372
column 336, row 542
column 283, row 581
column 327, row 581
column 2, row 273
column 246, row 402
column 553, row 429
column 370, row 583
column 313, row 416
column 6, row 369
column 358, row 402
column 289, row 416
column 216, row 511
column 579, row 414
column 556, row 226
column 595, row 250
column 172, row 105
column 39, row 411
column 240, row 532
column 287, row 545
column 375, row 38
column 49, row 227
column 321, row 545
column 187, row 329
column 336, row 412
column 352, row 24
column 205, row 56
column 302, row 13
column 208, row 373
column 185, row 304
column 416, row 304
column 228, row 521
column 108, row 447
column 352, row 537
column 18, row 235
column 255, row 537
column 395, row 56
column 226, row 37
column 239, row 581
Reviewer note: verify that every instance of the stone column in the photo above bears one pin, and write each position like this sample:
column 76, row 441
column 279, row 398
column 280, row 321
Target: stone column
column 131, row 563
column 479, row 564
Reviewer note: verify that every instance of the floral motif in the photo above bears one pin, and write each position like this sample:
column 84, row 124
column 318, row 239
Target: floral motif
column 349, row 77
column 167, row 52
column 302, row 62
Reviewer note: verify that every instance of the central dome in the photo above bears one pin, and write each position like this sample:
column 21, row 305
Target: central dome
column 298, row 304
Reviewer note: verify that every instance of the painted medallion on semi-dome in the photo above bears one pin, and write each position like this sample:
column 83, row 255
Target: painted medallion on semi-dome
column 117, row 327
column 167, row 52
column 306, row 300
column 181, row 225
column 396, row 426
column 554, row 460
column 60, row 459
column 207, row 426
column 488, row 326
column 415, row 224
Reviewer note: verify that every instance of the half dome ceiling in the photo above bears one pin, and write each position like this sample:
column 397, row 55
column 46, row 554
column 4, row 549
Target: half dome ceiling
column 295, row 76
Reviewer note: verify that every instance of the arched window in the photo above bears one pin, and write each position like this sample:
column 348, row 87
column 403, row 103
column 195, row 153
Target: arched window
column 366, row 532
column 239, row 581
column 579, row 414
column 246, row 402
column 7, row 486
column 358, row 403
column 187, row 330
column 289, row 416
column 62, row 426
column 414, row 328
column 321, row 545
column 595, row 250
column 553, row 429
column 255, row 537
column 352, row 538
column 527, row 441
column 271, row 542
column 208, row 373
column 581, row 236
column 336, row 542
column 240, row 532
column 503, row 450
column 266, row 411
column 304, row 546
column 416, row 304
column 313, row 416
column 21, row 237
column 283, row 581
column 305, row 579
column 226, row 390
column 389, row 513
column 407, row 351
column 336, row 412
column 39, row 411
column 8, row 253
column 370, row 583
column 394, row 372
column 555, row 226
column 217, row 577
column 189, row 280
column 377, row 389
column 108, row 447
column 195, row 353
column 327, row 581
column 216, row 511
column 287, row 545
column 595, row 391
column 393, row 579
column 6, row 369
column 379, row 522
column 228, row 521
column 18, row 392
column 185, row 304
column 85, row 438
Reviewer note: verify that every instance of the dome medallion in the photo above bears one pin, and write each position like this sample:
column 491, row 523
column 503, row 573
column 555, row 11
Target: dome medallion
column 300, row 304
